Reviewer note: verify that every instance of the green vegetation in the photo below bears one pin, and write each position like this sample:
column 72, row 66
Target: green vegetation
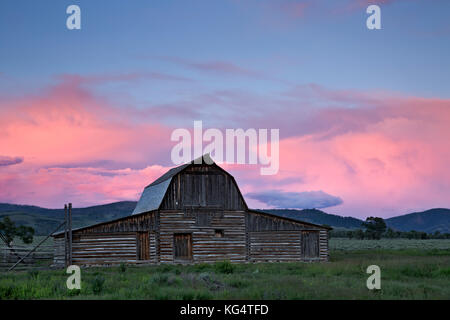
column 410, row 269
column 9, row 231
column 395, row 245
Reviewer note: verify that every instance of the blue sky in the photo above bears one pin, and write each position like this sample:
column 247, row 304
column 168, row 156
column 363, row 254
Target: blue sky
column 328, row 44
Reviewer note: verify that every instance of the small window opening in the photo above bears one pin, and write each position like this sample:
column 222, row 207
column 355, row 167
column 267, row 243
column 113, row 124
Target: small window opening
column 218, row 233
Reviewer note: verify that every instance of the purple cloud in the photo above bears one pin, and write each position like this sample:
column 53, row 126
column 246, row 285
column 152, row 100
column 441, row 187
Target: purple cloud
column 297, row 200
column 9, row 161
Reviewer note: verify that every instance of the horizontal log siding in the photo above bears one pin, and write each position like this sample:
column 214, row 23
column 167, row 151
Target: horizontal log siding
column 153, row 247
column 263, row 222
column 206, row 247
column 59, row 252
column 324, row 251
column 143, row 222
column 95, row 249
column 269, row 246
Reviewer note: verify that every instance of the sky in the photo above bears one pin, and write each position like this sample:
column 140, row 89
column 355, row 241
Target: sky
column 86, row 115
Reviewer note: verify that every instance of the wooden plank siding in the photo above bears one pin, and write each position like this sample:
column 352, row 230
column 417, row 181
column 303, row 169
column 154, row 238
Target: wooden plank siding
column 59, row 252
column 274, row 239
column 103, row 248
column 203, row 186
column 206, row 247
column 268, row 246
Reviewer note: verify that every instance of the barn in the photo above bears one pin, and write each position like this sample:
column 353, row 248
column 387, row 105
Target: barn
column 194, row 213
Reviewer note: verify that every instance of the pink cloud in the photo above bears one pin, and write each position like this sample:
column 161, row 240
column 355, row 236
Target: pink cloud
column 67, row 125
column 383, row 158
column 381, row 153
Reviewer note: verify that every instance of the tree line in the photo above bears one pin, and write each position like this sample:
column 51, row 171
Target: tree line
column 374, row 228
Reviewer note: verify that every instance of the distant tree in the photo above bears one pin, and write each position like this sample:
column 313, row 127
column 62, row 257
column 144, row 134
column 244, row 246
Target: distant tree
column 423, row 235
column 390, row 234
column 359, row 234
column 350, row 234
column 9, row 231
column 375, row 227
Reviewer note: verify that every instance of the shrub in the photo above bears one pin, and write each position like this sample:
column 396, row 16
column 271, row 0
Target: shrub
column 159, row 279
column 97, row 284
column 122, row 267
column 224, row 267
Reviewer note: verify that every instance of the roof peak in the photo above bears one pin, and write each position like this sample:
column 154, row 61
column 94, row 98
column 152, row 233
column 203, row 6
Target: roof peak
column 206, row 158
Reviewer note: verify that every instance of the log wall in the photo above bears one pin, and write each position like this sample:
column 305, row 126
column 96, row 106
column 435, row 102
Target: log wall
column 272, row 239
column 103, row 248
column 207, row 246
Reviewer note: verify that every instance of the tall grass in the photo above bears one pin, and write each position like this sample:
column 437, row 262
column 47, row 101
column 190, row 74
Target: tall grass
column 405, row 274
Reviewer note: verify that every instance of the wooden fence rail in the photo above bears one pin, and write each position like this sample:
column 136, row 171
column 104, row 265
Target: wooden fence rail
column 40, row 258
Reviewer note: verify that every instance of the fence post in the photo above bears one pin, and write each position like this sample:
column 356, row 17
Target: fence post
column 70, row 234
column 66, row 252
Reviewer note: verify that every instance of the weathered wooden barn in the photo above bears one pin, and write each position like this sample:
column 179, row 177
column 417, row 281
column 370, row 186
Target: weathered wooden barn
column 195, row 213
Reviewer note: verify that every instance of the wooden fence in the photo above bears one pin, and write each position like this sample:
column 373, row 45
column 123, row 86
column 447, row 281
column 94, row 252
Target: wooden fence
column 41, row 258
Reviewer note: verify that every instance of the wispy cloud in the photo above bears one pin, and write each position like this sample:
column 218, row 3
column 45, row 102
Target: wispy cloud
column 296, row 200
column 9, row 161
column 215, row 67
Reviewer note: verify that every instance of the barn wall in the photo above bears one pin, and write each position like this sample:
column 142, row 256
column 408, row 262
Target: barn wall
column 263, row 222
column 274, row 239
column 142, row 222
column 206, row 247
column 104, row 248
column 323, row 245
column 59, row 251
column 268, row 246
column 202, row 186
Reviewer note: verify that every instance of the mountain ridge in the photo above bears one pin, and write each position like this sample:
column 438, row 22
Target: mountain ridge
column 46, row 220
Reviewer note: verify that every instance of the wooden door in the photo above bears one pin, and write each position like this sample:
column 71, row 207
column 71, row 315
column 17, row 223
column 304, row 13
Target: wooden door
column 182, row 246
column 143, row 246
column 310, row 244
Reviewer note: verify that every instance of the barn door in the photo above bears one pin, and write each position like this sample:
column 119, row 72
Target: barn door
column 310, row 244
column 143, row 246
column 182, row 246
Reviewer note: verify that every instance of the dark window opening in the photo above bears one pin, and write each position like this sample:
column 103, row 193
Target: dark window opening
column 218, row 233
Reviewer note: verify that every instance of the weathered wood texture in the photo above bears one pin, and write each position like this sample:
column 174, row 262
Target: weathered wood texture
column 206, row 246
column 105, row 248
column 269, row 246
column 143, row 222
column 40, row 258
column 257, row 221
column 203, row 186
column 276, row 239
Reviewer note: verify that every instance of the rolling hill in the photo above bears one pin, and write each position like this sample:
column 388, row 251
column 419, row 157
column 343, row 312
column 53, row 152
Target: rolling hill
column 428, row 221
column 45, row 220
column 318, row 217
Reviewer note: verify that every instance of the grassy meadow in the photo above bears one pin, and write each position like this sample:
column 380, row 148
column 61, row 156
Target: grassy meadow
column 410, row 269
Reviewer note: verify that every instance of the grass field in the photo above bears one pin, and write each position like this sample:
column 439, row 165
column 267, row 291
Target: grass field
column 416, row 271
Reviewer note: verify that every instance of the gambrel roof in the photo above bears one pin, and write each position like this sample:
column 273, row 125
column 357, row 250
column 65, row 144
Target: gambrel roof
column 154, row 193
